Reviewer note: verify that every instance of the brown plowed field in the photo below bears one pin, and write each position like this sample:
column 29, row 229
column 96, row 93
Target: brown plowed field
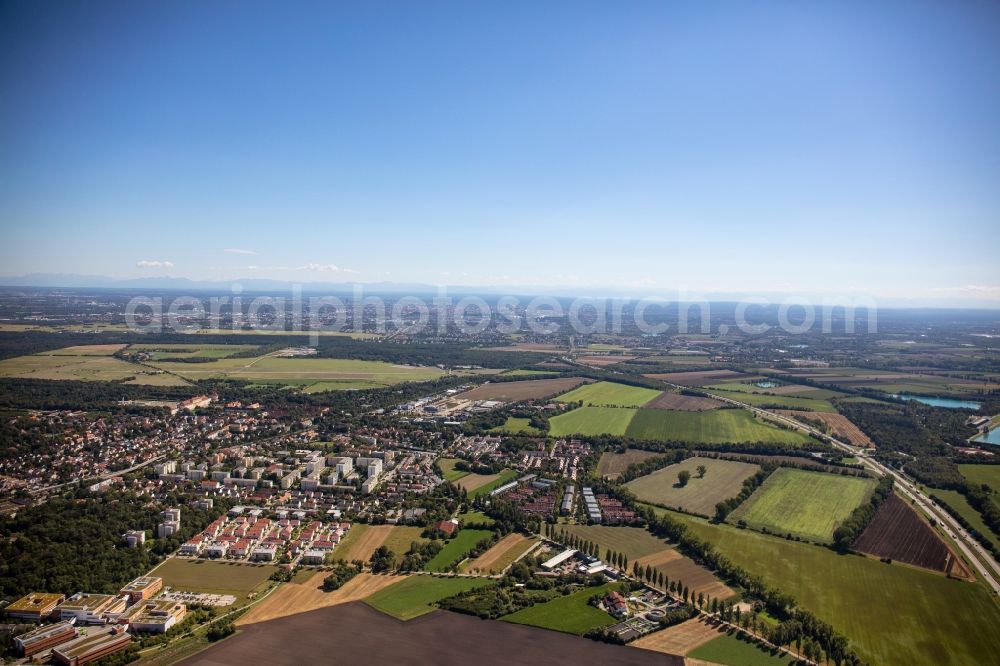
column 530, row 389
column 899, row 533
column 293, row 598
column 698, row 377
column 684, row 403
column 356, row 634
column 680, row 638
column 840, row 424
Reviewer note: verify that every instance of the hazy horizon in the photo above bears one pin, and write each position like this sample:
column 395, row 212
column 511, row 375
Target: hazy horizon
column 776, row 148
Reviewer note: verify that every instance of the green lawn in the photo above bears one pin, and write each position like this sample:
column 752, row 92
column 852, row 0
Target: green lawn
column 957, row 501
column 447, row 466
column 415, row 596
column 732, row 650
column 455, row 548
column 980, row 474
column 893, row 614
column 516, row 425
column 806, row 504
column 592, row 421
column 571, row 613
column 477, row 517
column 214, row 577
column 715, row 426
column 723, row 479
column 610, row 394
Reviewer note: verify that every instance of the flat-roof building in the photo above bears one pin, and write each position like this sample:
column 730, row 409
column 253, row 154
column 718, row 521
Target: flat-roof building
column 141, row 588
column 34, row 606
column 43, row 638
column 92, row 608
column 93, row 646
column 553, row 562
column 155, row 615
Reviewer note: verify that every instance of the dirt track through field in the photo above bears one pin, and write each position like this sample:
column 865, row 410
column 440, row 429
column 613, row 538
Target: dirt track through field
column 680, row 638
column 294, row 598
column 486, row 561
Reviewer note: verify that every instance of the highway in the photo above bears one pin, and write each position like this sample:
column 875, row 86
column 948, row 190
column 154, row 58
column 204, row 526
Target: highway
column 979, row 558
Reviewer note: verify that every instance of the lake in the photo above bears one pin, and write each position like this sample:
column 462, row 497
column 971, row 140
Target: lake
column 933, row 401
column 992, row 437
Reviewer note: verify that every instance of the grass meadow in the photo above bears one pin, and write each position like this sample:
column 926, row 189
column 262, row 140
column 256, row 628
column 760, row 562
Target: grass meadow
column 610, row 394
column 414, row 596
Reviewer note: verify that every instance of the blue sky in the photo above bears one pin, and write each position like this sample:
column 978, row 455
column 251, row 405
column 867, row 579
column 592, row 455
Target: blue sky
column 811, row 148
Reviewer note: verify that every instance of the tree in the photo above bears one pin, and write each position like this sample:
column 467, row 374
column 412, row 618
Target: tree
column 649, row 573
column 382, row 560
column 682, row 477
column 701, row 471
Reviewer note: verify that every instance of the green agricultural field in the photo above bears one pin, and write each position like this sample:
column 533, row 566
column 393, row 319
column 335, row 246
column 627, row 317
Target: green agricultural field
column 416, row 595
column 570, row 614
column 610, row 394
column 716, row 426
column 332, row 372
column 777, row 401
column 88, row 365
column 933, row 619
column 214, row 577
column 447, row 466
column 515, row 425
column 723, row 479
column 401, row 538
column 456, row 548
column 733, row 650
column 806, row 504
column 957, row 501
column 592, row 421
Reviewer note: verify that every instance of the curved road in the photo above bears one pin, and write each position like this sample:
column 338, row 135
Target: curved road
column 978, row 557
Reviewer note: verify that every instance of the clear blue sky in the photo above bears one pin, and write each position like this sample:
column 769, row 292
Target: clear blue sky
column 808, row 147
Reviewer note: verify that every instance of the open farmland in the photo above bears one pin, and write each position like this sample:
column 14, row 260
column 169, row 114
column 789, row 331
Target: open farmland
column 638, row 545
column 480, row 484
column 610, row 394
column 592, row 421
column 174, row 350
column 897, row 532
column 528, row 389
column 356, row 634
column 611, row 465
column 415, row 596
column 840, row 425
column 680, row 638
column 456, row 548
column 293, row 598
column 856, row 594
column 805, row 504
column 363, row 540
column 778, row 401
column 723, row 479
column 717, row 426
column 85, row 350
column 332, row 372
column 682, row 403
column 83, row 364
column 571, row 613
column 502, row 554
column 737, row 650
column 698, row 377
column 213, row 577
column 603, row 360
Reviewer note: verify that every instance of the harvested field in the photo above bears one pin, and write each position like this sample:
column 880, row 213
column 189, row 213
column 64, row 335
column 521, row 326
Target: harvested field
column 601, row 361
column 61, row 365
column 477, row 482
column 529, row 389
column 680, row 638
column 85, row 350
column 716, row 426
column 529, row 347
column 723, row 479
column 294, row 598
column 592, row 421
column 611, row 465
column 364, row 544
column 501, row 555
column 682, row 403
column 698, row 377
column 840, row 425
column 899, row 533
column 685, row 570
column 357, row 634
